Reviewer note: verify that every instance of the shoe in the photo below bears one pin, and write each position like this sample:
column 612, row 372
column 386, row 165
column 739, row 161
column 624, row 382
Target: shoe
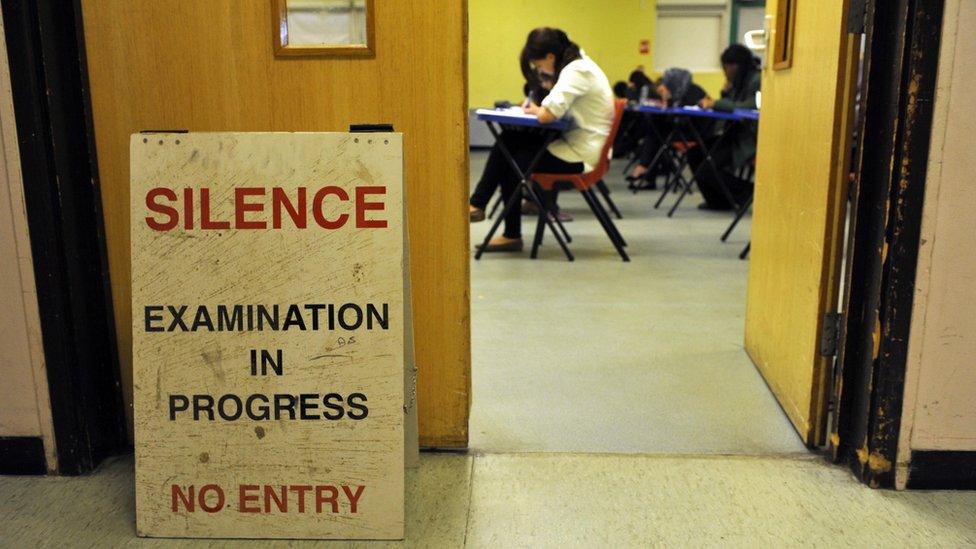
column 708, row 206
column 514, row 245
column 642, row 184
column 564, row 217
column 529, row 208
column 476, row 214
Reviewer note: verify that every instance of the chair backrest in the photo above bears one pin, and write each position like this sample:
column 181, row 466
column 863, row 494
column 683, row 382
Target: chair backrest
column 619, row 105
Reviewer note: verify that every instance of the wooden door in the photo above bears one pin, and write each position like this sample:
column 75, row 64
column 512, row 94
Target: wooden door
column 797, row 231
column 209, row 65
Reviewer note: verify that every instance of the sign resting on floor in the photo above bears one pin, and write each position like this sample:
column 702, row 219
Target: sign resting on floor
column 268, row 334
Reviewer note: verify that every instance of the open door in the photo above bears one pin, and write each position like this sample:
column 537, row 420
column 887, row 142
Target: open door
column 211, row 65
column 797, row 231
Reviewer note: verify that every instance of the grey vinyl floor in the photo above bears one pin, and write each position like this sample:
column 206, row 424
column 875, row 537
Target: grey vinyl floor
column 556, row 500
column 599, row 355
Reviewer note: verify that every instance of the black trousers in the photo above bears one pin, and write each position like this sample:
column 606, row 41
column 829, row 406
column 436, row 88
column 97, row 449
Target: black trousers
column 633, row 127
column 523, row 146
column 652, row 143
column 708, row 184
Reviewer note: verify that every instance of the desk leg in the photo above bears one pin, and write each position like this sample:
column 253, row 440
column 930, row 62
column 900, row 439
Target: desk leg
column 678, row 181
column 745, row 251
column 544, row 214
column 512, row 200
column 711, row 162
column 664, row 149
column 739, row 214
column 524, row 185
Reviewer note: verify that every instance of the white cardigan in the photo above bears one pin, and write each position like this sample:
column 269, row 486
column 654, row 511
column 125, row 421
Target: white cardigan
column 584, row 94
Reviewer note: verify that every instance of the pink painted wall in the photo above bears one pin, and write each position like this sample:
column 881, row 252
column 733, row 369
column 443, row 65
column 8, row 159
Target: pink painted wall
column 940, row 387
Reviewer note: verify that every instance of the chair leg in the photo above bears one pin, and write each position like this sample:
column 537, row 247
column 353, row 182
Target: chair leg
column 554, row 216
column 745, row 251
column 739, row 214
column 676, row 181
column 550, row 220
column 619, row 242
column 671, row 181
column 605, row 222
column 685, row 191
column 605, row 192
column 606, row 217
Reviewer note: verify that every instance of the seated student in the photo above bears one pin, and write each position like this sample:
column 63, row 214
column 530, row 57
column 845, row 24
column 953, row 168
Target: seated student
column 580, row 91
column 675, row 90
column 641, row 87
column 633, row 125
column 621, row 90
column 534, row 93
column 738, row 146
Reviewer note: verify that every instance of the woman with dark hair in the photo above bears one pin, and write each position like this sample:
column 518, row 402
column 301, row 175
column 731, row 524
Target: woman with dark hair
column 634, row 126
column 677, row 89
column 621, row 90
column 738, row 146
column 641, row 87
column 581, row 92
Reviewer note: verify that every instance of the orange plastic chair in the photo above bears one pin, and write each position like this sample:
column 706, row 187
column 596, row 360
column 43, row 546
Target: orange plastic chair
column 584, row 183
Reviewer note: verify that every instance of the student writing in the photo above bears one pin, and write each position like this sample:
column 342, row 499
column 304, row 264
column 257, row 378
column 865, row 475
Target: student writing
column 738, row 146
column 580, row 92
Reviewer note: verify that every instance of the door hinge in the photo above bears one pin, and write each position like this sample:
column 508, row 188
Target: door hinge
column 856, row 15
column 830, row 334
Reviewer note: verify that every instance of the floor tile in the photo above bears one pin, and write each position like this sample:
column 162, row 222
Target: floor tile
column 563, row 500
column 599, row 355
column 99, row 510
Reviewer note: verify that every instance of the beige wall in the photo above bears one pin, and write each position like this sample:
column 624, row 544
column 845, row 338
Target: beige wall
column 940, row 386
column 24, row 406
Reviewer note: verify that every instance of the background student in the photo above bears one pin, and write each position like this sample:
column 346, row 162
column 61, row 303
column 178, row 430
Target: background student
column 677, row 89
column 581, row 91
column 633, row 126
column 641, row 87
column 621, row 90
column 738, row 146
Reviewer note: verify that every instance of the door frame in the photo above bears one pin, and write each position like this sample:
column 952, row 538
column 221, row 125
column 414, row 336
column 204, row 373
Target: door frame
column 890, row 165
column 65, row 218
column 737, row 5
column 61, row 191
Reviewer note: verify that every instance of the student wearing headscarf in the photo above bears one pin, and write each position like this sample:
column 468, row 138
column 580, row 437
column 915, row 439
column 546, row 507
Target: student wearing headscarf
column 676, row 89
column 736, row 145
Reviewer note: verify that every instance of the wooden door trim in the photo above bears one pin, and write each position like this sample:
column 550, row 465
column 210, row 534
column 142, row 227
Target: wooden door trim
column 901, row 66
column 833, row 246
column 64, row 217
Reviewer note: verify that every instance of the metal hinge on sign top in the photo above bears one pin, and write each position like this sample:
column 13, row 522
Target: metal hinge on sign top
column 856, row 16
column 830, row 334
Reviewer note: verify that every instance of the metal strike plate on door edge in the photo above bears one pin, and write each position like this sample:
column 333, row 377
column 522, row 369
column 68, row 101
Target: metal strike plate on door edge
column 830, row 334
